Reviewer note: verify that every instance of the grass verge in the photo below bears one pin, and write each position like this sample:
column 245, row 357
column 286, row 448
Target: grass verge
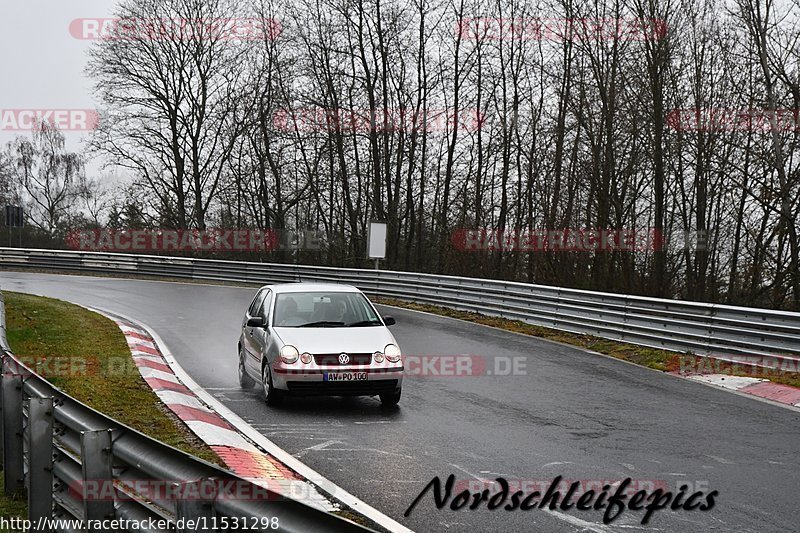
column 654, row 358
column 86, row 355
column 11, row 507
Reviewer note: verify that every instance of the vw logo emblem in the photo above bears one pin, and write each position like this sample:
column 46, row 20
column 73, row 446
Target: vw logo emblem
column 344, row 358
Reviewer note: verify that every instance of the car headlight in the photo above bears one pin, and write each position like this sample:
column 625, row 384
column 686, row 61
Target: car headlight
column 392, row 353
column 289, row 354
column 377, row 357
column 306, row 357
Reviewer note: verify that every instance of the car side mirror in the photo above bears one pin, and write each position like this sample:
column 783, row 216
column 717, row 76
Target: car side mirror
column 256, row 322
column 389, row 320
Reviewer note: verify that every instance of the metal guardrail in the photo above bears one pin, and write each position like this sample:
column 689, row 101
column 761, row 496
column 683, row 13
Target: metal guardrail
column 728, row 332
column 78, row 464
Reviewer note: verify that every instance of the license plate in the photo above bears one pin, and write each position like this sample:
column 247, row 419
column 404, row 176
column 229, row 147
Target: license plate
column 344, row 376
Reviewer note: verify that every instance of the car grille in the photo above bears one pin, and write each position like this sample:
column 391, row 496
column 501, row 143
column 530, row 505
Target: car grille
column 332, row 359
column 342, row 388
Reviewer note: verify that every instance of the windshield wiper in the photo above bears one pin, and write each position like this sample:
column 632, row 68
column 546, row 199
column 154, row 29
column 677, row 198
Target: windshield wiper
column 322, row 324
column 365, row 323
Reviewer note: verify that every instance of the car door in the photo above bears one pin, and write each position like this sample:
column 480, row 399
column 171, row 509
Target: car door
column 260, row 337
column 251, row 350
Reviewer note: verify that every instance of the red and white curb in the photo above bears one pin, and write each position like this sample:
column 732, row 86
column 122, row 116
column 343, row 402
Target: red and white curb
column 762, row 388
column 238, row 453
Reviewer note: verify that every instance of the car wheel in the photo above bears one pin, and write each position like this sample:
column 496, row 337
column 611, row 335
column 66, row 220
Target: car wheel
column 245, row 381
column 389, row 399
column 272, row 395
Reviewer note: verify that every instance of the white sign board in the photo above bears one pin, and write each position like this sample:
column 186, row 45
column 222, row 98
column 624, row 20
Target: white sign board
column 376, row 240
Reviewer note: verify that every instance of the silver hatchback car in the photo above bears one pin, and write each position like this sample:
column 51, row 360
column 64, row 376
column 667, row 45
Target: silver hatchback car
column 318, row 339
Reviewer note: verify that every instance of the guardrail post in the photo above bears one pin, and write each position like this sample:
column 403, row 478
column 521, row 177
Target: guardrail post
column 13, row 467
column 40, row 459
column 96, row 466
column 194, row 508
column 2, row 371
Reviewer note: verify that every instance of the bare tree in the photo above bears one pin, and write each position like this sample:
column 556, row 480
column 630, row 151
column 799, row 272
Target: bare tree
column 49, row 178
column 177, row 91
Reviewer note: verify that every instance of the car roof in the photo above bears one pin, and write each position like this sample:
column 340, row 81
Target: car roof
column 311, row 287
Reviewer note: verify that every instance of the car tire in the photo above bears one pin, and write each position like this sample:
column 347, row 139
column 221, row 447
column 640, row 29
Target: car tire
column 245, row 381
column 272, row 395
column 390, row 399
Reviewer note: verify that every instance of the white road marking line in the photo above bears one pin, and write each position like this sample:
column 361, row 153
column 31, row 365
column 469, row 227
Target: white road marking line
column 468, row 472
column 448, row 525
column 297, row 434
column 373, row 450
column 556, row 463
column 720, row 459
column 577, row 522
column 392, row 481
column 278, row 428
column 227, row 398
column 317, row 447
column 497, row 474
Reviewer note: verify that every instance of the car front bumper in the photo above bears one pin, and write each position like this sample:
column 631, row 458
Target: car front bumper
column 313, row 382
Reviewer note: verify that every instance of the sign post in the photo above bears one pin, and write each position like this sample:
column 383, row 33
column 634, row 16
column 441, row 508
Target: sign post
column 15, row 218
column 376, row 241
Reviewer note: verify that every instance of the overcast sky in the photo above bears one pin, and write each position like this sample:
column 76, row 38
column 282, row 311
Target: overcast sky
column 42, row 64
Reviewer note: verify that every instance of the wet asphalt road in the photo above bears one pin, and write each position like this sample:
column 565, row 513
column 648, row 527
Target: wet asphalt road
column 571, row 413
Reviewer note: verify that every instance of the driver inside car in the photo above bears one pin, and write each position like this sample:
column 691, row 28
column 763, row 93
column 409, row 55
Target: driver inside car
column 288, row 313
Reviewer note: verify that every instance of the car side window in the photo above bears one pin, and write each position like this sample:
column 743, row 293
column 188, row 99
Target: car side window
column 264, row 312
column 255, row 307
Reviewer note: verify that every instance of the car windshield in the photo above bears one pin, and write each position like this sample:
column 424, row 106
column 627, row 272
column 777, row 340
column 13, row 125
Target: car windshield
column 324, row 309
